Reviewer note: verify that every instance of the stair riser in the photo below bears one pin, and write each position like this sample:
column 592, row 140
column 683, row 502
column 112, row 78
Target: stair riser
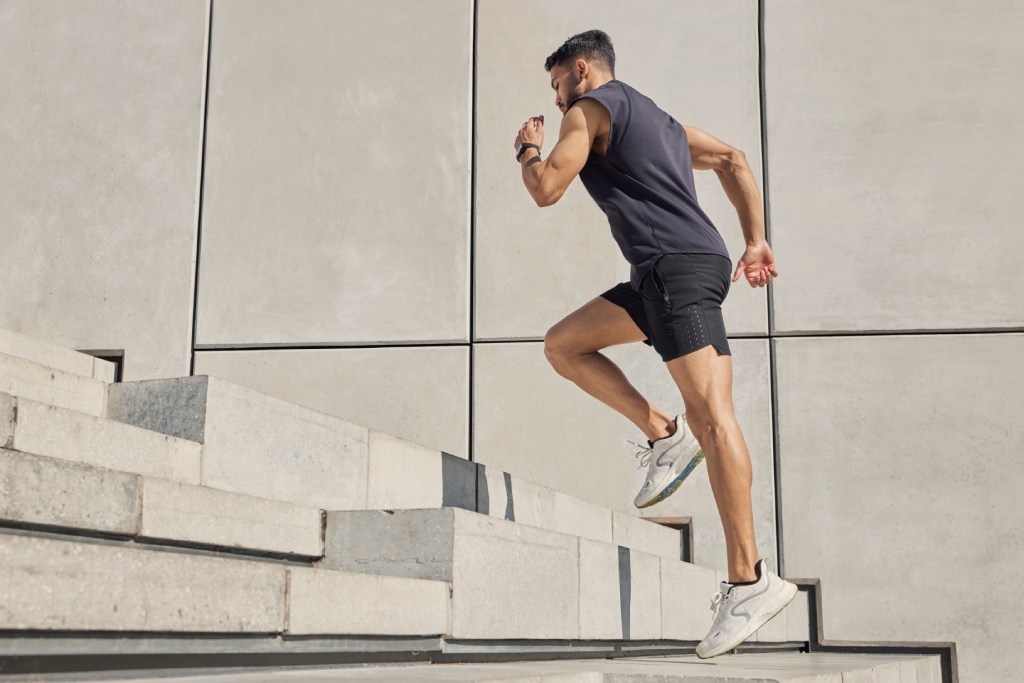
column 30, row 380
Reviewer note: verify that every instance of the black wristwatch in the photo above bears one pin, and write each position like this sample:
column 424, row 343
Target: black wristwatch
column 523, row 147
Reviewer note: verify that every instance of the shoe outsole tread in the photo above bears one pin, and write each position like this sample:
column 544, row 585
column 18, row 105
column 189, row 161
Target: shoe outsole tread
column 676, row 483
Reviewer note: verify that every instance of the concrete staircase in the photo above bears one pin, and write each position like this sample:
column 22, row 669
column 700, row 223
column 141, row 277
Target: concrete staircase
column 195, row 523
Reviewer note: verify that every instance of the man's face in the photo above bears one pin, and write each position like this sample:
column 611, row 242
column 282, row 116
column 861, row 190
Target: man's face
column 566, row 85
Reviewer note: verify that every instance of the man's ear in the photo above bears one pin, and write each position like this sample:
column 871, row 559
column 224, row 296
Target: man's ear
column 583, row 68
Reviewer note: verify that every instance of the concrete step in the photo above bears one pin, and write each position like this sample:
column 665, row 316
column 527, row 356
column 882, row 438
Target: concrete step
column 545, row 584
column 44, row 491
column 781, row 667
column 55, row 357
column 55, row 584
column 260, row 445
column 511, row 498
column 31, row 380
column 32, row 427
column 253, row 443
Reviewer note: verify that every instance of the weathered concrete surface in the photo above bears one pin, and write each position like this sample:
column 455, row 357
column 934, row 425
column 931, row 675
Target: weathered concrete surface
column 332, row 602
column 37, row 350
column 101, row 127
column 252, row 442
column 416, row 393
column 8, row 413
column 536, row 265
column 529, row 576
column 68, row 435
column 64, row 585
column 620, row 593
column 336, row 191
column 633, row 532
column 896, row 452
column 578, row 445
column 196, row 514
column 502, row 495
column 41, row 490
column 418, row 544
column 775, row 667
column 537, row 595
column 798, row 619
column 403, row 474
column 860, row 233
column 686, row 592
column 48, row 385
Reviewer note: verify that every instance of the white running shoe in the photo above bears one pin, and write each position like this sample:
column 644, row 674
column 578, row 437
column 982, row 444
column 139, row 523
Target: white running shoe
column 741, row 610
column 669, row 461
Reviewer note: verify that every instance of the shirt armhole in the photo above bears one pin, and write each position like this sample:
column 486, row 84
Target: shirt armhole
column 611, row 118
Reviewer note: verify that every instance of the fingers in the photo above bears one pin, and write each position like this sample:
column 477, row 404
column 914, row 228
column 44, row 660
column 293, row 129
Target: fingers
column 757, row 278
column 739, row 269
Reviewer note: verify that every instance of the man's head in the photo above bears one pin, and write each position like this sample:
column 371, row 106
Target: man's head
column 584, row 62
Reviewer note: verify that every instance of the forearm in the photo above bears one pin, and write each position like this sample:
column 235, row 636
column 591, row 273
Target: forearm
column 533, row 170
column 741, row 188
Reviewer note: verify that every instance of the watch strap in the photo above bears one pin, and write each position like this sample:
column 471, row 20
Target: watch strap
column 523, row 147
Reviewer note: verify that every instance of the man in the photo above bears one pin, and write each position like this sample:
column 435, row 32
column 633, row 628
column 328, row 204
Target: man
column 637, row 163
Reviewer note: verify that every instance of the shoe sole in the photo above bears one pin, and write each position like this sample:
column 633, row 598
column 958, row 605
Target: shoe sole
column 675, row 483
column 752, row 631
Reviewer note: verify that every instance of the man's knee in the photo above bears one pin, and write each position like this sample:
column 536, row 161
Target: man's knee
column 558, row 347
column 709, row 421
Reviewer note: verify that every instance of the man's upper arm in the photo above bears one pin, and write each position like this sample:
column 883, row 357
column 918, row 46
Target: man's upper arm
column 708, row 152
column 569, row 155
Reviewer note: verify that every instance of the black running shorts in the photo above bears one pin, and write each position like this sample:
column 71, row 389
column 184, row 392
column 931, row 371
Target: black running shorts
column 679, row 305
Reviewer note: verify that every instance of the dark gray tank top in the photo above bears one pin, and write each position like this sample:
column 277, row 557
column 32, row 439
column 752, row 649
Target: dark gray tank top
column 644, row 184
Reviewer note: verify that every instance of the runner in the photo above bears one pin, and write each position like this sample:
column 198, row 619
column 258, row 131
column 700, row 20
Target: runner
column 637, row 163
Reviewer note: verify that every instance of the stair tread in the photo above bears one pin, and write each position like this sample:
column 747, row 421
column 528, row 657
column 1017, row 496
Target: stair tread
column 764, row 668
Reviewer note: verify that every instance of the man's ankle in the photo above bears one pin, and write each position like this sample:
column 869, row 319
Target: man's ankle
column 667, row 430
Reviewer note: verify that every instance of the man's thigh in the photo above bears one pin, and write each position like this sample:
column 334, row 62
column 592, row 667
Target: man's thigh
column 704, row 378
column 596, row 325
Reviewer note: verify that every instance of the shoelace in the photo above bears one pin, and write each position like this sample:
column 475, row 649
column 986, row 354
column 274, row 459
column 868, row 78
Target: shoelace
column 644, row 454
column 716, row 603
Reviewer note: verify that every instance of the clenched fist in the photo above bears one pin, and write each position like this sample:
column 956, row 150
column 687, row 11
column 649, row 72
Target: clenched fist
column 532, row 131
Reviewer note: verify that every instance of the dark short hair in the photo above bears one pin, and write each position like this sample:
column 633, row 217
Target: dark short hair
column 592, row 45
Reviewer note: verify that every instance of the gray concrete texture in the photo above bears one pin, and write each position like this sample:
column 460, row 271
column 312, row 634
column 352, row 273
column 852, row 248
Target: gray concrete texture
column 402, row 474
column 54, row 356
column 40, row 490
column 544, row 584
column 420, row 394
column 536, row 265
column 879, row 116
column 529, row 576
column 252, row 442
column 900, row 479
column 64, row 585
column 197, row 514
column 30, row 380
column 337, row 178
column 577, row 445
column 343, row 603
column 100, row 128
column 774, row 667
column 69, row 495
column 54, row 432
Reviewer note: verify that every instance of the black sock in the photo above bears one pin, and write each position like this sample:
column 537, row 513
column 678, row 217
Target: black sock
column 757, row 572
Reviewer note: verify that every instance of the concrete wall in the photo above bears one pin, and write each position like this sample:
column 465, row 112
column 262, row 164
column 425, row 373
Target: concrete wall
column 358, row 250
column 895, row 142
column 100, row 135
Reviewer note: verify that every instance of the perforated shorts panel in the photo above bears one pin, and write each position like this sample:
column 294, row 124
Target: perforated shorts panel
column 679, row 305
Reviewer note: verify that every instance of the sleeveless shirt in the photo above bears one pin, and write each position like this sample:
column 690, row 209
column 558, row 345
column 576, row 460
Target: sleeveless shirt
column 644, row 183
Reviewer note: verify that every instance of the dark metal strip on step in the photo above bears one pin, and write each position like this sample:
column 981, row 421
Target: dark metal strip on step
column 55, row 652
